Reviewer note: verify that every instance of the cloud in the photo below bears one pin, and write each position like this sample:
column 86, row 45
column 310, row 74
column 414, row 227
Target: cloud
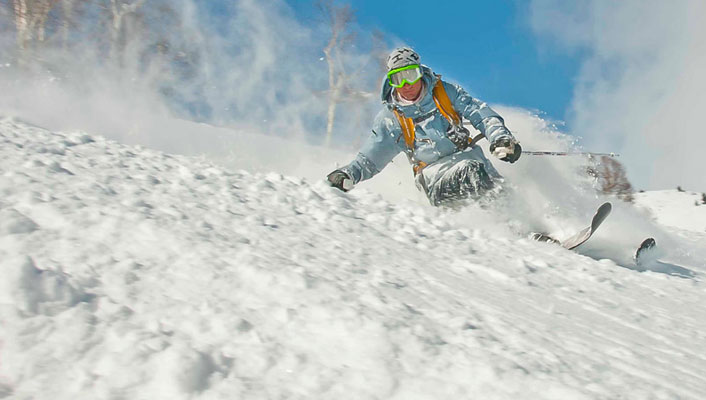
column 641, row 88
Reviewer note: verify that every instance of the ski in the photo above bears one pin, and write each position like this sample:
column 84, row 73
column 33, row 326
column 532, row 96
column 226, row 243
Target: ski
column 583, row 235
column 646, row 259
column 644, row 248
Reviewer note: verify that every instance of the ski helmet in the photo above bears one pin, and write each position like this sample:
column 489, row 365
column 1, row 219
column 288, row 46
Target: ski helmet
column 402, row 57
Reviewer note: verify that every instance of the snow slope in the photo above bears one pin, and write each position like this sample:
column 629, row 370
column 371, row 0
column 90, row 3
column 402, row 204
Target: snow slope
column 132, row 274
column 675, row 209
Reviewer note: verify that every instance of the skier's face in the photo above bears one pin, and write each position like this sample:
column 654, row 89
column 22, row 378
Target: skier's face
column 410, row 92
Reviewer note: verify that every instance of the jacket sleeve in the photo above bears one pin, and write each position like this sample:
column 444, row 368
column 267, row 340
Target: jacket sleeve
column 481, row 116
column 377, row 151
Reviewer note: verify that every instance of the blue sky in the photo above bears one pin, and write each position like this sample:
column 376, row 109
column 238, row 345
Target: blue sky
column 487, row 46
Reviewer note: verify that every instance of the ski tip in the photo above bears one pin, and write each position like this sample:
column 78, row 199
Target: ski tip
column 646, row 245
column 601, row 214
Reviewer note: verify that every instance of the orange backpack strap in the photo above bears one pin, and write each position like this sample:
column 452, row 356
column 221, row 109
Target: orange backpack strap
column 443, row 103
column 407, row 125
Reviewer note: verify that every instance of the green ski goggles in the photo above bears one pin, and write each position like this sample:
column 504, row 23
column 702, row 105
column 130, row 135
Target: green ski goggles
column 406, row 75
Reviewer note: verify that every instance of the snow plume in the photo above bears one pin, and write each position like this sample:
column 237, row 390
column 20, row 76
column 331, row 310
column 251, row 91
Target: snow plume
column 229, row 63
column 556, row 195
column 641, row 89
column 256, row 67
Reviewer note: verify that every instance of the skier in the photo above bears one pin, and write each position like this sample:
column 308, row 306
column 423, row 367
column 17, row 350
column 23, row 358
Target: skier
column 423, row 116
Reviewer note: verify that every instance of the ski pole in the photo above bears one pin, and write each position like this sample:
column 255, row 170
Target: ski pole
column 566, row 153
column 480, row 137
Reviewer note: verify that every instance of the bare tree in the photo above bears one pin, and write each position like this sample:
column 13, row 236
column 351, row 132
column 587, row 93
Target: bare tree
column 22, row 17
column 30, row 20
column 339, row 19
column 40, row 13
column 120, row 11
column 612, row 178
column 69, row 10
column 377, row 56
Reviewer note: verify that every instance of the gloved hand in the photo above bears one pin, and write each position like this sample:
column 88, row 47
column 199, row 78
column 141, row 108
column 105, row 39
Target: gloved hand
column 340, row 180
column 506, row 149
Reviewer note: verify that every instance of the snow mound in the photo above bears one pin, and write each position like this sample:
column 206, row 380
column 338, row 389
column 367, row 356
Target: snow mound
column 130, row 273
column 35, row 291
column 13, row 222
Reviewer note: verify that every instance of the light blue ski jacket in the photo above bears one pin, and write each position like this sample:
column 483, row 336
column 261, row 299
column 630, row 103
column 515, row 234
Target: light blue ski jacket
column 431, row 142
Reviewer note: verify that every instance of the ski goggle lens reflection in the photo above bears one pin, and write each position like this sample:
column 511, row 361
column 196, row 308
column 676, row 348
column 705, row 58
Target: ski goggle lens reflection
column 405, row 75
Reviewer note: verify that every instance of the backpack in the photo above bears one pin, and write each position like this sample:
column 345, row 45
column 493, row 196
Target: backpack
column 443, row 104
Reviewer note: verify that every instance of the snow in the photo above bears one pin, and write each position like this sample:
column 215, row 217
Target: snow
column 675, row 209
column 136, row 274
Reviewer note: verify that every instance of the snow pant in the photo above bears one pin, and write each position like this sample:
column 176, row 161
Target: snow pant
column 456, row 178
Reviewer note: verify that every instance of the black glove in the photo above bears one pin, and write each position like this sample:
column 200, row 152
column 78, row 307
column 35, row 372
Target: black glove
column 506, row 149
column 340, row 180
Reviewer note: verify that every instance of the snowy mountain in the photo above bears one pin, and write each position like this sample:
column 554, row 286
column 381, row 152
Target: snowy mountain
column 128, row 273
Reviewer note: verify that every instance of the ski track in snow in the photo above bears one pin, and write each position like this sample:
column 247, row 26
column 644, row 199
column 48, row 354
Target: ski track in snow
column 132, row 274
